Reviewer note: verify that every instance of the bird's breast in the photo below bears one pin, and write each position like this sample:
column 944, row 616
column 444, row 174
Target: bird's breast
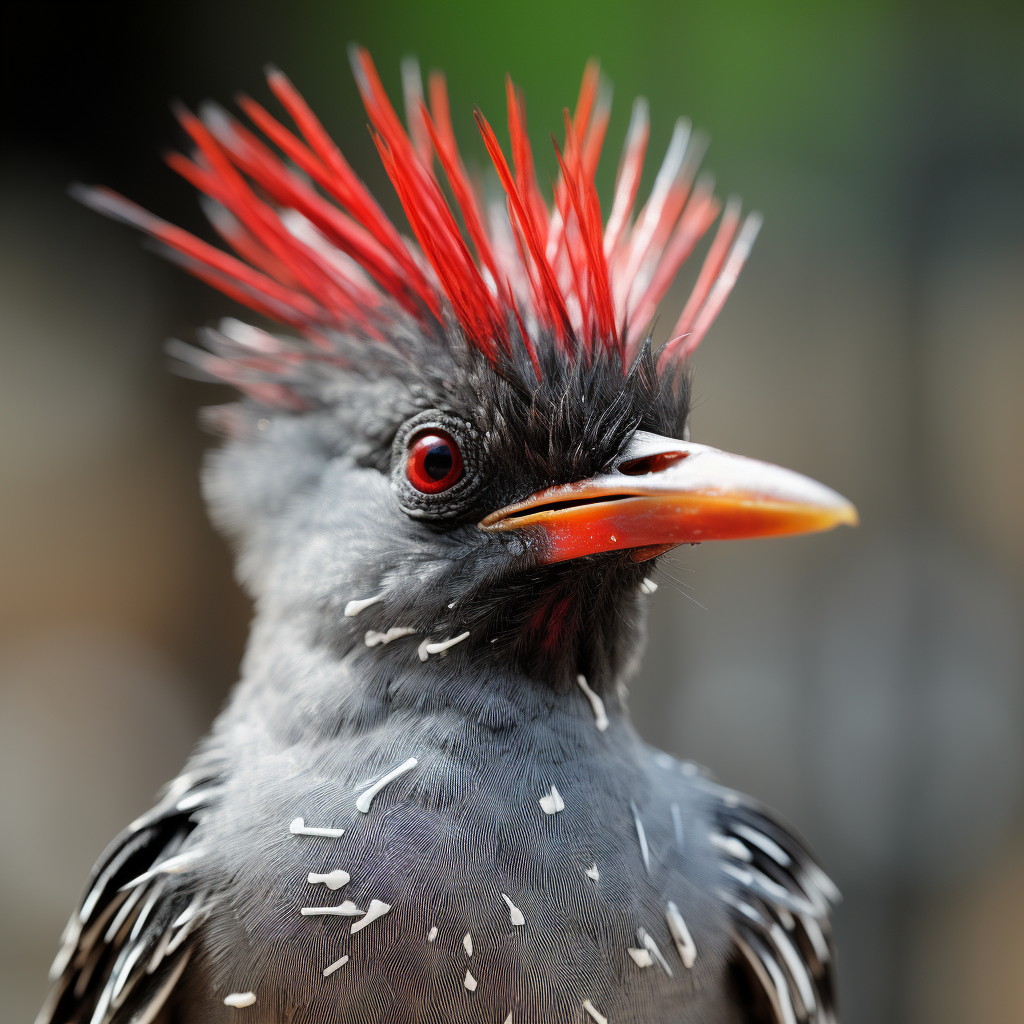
column 436, row 883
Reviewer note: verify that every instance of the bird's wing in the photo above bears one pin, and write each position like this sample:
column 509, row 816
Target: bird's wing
column 127, row 943
column 779, row 905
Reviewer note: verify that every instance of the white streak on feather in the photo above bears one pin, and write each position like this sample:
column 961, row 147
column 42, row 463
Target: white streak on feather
column 172, row 866
column 346, row 909
column 779, row 983
column 187, row 928
column 470, row 982
column 328, row 971
column 333, row 879
column 373, row 638
column 298, row 827
column 680, row 935
column 731, row 846
column 443, row 645
column 677, row 823
column 432, row 934
column 599, row 1017
column 240, row 999
column 197, row 799
column 356, row 606
column 641, row 957
column 155, row 893
column 652, row 947
column 796, row 965
column 817, row 937
column 157, row 998
column 467, row 944
column 514, row 912
column 175, row 865
column 366, row 797
column 758, row 880
column 645, row 853
column 763, row 843
column 68, row 949
column 183, row 933
column 592, row 872
column 100, row 1013
column 823, row 882
column 377, row 908
column 126, row 970
column 600, row 718
column 189, row 912
column 127, row 906
column 552, row 803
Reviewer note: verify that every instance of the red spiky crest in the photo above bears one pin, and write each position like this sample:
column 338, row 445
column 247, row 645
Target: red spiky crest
column 318, row 252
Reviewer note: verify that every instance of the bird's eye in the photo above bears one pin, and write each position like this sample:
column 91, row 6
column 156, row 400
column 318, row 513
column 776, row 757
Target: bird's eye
column 438, row 466
column 434, row 463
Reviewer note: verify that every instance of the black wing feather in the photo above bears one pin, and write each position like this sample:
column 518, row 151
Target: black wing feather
column 779, row 903
column 127, row 943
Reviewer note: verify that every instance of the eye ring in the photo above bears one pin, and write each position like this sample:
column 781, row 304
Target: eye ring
column 434, row 463
column 451, row 493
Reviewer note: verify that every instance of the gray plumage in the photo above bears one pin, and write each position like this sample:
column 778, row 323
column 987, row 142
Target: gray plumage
column 314, row 505
column 424, row 801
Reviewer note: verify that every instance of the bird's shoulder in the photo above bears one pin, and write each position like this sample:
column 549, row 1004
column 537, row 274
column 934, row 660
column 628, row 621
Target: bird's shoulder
column 777, row 898
column 130, row 938
column 634, row 893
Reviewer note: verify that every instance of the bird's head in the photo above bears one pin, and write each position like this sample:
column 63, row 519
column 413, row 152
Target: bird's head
column 470, row 446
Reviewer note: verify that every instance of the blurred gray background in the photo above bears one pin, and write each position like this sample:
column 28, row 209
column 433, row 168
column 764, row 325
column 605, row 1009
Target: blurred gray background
column 869, row 684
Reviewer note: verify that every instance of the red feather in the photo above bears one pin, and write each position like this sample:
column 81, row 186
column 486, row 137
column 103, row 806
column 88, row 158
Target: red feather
column 320, row 254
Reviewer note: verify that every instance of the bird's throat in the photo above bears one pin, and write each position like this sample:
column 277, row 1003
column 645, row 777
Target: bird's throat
column 587, row 624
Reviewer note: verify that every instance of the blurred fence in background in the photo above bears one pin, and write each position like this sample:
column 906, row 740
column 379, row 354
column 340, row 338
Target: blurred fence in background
column 868, row 684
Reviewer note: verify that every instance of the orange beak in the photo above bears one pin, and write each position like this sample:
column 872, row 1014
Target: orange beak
column 662, row 492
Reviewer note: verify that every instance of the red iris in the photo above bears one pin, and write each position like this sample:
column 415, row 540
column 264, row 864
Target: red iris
column 434, row 462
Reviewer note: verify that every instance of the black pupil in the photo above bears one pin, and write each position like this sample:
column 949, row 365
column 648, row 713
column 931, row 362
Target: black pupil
column 438, row 461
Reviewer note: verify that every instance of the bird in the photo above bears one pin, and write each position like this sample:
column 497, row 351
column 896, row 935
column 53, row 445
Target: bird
column 453, row 464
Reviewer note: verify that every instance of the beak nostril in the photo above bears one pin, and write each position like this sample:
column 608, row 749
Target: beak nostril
column 651, row 463
column 648, row 502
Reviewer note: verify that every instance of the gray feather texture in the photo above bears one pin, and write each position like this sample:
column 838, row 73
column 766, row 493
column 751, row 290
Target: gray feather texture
column 650, row 895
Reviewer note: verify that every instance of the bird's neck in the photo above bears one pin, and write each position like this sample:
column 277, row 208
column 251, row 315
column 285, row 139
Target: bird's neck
column 302, row 680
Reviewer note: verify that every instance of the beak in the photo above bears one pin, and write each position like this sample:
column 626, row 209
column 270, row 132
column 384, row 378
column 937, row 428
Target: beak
column 662, row 492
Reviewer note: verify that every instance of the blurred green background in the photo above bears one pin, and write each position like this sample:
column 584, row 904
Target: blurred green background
column 869, row 684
